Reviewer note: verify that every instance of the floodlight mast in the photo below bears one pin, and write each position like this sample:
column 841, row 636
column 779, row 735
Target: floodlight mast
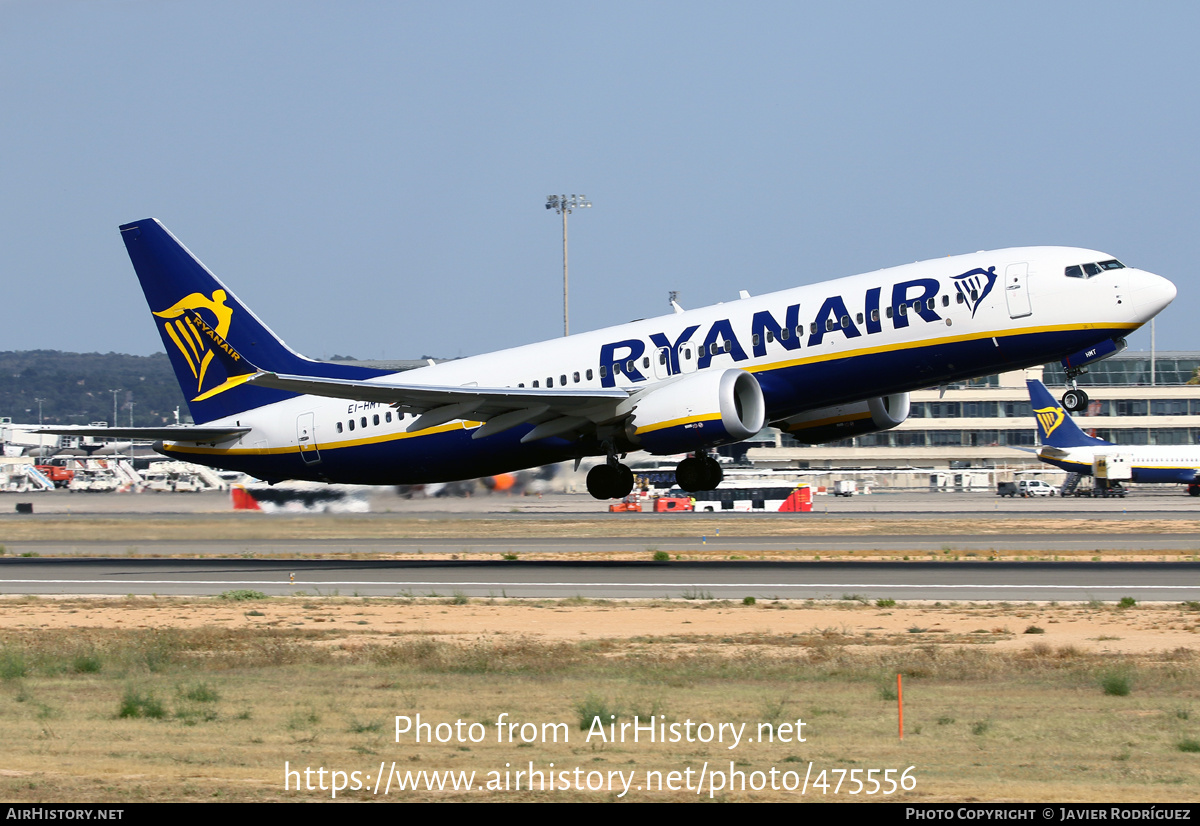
column 563, row 205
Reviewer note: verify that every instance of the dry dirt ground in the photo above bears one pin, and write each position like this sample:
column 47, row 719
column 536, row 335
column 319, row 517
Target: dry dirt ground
column 1089, row 627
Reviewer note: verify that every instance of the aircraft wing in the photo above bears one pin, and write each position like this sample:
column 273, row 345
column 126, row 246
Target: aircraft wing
column 179, row 433
column 554, row 412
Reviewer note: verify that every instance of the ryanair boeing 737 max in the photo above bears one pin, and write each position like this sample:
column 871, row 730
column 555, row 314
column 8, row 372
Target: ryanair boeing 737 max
column 822, row 362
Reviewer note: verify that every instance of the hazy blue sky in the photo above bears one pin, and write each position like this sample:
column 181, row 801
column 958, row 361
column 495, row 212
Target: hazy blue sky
column 370, row 176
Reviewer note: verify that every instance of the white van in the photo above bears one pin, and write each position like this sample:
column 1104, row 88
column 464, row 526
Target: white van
column 1034, row 487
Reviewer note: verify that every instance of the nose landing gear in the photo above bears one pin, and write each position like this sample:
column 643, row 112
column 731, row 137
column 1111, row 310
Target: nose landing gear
column 1074, row 400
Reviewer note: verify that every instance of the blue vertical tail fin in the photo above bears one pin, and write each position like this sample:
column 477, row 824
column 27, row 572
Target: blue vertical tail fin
column 1055, row 428
column 182, row 293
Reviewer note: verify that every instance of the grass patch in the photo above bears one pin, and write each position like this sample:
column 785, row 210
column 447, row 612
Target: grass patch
column 1190, row 745
column 200, row 693
column 1116, row 683
column 594, row 707
column 138, row 703
column 885, row 603
column 661, row 556
column 243, row 594
column 1127, row 602
column 12, row 664
column 87, row 664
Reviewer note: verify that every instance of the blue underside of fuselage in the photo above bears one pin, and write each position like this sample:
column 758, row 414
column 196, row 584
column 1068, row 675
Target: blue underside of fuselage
column 1149, row 475
column 451, row 455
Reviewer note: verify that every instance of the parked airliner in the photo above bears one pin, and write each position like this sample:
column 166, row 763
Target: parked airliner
column 823, row 362
column 1066, row 446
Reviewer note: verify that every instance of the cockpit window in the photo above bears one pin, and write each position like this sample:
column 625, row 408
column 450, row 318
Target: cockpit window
column 1088, row 270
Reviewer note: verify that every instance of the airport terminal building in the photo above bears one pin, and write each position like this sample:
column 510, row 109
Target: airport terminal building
column 984, row 431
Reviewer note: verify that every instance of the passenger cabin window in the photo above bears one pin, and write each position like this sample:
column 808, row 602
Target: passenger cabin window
column 945, row 300
column 364, row 421
column 874, row 315
column 535, row 383
column 549, row 381
column 576, row 377
column 352, row 424
column 603, row 373
column 563, row 379
column 339, row 427
column 589, row 373
column 388, row 416
column 754, row 339
column 375, row 420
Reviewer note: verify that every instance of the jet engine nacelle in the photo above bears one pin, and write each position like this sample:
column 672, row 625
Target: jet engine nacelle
column 841, row 421
column 698, row 411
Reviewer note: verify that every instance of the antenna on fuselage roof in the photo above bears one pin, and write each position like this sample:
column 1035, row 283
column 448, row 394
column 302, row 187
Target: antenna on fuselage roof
column 671, row 297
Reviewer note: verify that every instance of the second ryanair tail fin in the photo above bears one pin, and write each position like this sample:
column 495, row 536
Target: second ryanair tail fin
column 1055, row 427
column 195, row 312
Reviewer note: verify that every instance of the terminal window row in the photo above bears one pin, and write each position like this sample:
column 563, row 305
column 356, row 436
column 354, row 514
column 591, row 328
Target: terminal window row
column 1004, row 438
column 1097, row 407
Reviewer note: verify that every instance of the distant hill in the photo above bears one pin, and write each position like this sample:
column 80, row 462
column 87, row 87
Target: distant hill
column 76, row 388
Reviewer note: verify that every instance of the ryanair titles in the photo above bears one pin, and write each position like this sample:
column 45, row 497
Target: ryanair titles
column 909, row 300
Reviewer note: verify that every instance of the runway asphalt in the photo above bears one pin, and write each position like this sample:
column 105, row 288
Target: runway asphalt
column 112, row 569
column 947, row 581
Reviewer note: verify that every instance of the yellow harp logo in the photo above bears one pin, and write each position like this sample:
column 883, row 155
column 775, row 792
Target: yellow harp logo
column 180, row 328
column 1049, row 418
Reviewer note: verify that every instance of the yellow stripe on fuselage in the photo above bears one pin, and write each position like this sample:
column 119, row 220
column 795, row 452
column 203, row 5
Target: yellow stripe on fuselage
column 650, row 428
column 276, row 451
column 929, row 342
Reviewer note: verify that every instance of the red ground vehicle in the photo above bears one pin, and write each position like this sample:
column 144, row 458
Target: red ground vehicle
column 59, row 475
column 629, row 504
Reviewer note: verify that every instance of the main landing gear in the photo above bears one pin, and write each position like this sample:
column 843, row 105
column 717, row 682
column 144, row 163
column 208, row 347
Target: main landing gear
column 698, row 472
column 611, row 480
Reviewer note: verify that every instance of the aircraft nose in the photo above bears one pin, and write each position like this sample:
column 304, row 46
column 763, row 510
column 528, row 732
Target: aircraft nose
column 1152, row 294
